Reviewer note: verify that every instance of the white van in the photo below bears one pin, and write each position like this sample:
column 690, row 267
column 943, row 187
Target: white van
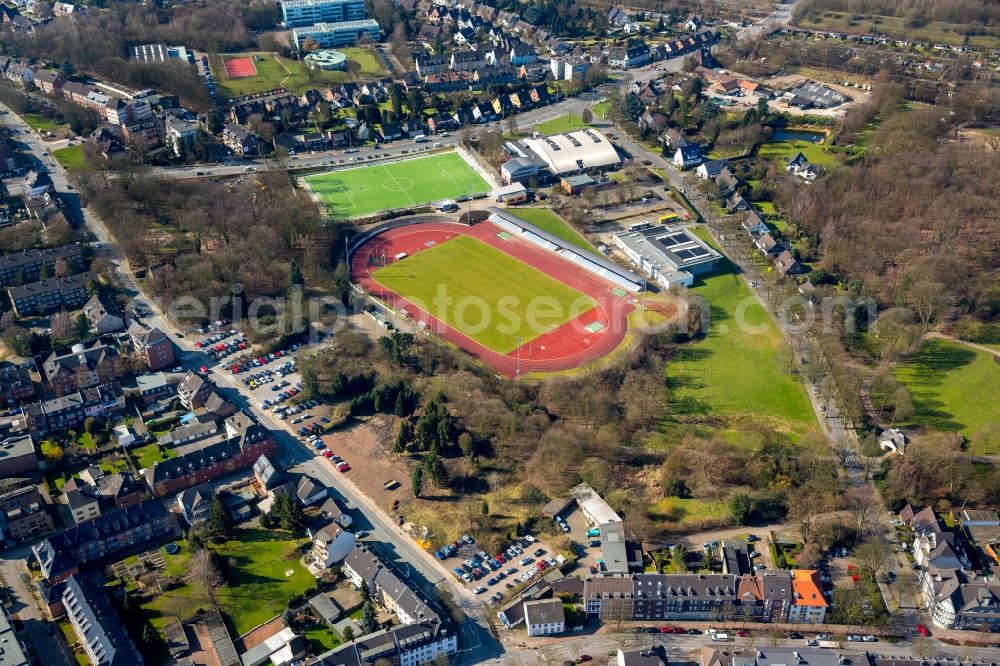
column 420, row 138
column 720, row 637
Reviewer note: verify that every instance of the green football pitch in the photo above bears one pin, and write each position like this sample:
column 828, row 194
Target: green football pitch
column 377, row 187
column 494, row 303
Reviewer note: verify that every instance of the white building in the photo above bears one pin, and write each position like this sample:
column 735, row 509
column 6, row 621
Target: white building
column 331, row 544
column 179, row 134
column 671, row 257
column 544, row 617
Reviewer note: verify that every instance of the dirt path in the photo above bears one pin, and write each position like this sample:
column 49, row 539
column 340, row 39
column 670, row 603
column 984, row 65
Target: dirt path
column 983, row 348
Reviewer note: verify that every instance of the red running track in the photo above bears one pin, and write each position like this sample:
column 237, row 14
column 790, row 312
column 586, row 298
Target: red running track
column 567, row 346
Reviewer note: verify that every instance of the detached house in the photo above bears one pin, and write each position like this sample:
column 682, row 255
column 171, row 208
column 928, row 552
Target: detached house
column 687, row 156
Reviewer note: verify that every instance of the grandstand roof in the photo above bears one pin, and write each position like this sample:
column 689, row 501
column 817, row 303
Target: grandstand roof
column 583, row 149
column 590, row 256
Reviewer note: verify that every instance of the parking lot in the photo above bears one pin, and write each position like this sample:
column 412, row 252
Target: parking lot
column 495, row 575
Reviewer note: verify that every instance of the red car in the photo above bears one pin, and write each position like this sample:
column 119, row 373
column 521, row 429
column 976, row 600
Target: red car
column 923, row 631
column 328, row 453
column 204, row 369
column 584, row 657
column 742, row 633
column 343, row 467
column 666, row 630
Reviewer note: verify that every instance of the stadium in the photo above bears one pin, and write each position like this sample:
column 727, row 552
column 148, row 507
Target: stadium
column 508, row 293
column 364, row 190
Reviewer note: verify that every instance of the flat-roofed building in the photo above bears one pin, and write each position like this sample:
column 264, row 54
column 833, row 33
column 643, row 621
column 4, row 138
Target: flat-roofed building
column 299, row 13
column 341, row 33
column 671, row 257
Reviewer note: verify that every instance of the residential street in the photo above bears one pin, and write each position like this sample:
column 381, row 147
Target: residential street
column 50, row 650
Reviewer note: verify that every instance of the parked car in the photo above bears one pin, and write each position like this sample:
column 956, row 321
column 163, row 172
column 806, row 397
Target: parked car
column 923, row 631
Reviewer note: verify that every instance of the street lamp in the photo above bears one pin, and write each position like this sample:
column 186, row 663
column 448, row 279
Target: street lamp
column 517, row 371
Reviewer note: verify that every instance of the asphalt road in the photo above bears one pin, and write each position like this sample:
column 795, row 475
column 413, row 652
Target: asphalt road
column 781, row 15
column 50, row 650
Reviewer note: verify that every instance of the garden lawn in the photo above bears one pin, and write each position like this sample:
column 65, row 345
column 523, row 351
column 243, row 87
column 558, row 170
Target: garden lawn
column 70, row 157
column 40, row 123
column 816, row 153
column 257, row 590
column 145, row 456
column 567, row 123
column 954, row 387
column 478, row 294
column 368, row 189
column 738, row 370
column 323, row 637
column 547, row 219
column 368, row 64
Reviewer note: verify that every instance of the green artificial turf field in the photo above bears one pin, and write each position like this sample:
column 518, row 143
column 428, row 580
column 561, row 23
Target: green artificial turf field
column 950, row 384
column 492, row 304
column 369, row 189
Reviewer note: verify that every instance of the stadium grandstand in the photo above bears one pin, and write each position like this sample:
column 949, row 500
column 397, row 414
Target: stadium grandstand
column 670, row 256
column 574, row 152
column 594, row 263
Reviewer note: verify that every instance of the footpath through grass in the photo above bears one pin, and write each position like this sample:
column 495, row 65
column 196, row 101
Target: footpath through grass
column 369, row 189
column 954, row 387
column 739, row 369
column 550, row 221
column 484, row 293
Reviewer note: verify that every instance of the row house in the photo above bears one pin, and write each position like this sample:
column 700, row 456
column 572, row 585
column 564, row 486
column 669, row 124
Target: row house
column 24, row 514
column 245, row 442
column 49, row 82
column 713, row 597
column 106, row 538
column 96, row 623
column 15, row 385
column 957, row 599
column 52, row 294
column 239, row 139
column 106, row 402
column 80, row 367
column 467, row 61
column 153, row 345
column 26, row 266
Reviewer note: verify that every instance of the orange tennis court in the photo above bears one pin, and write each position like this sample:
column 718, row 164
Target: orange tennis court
column 240, row 68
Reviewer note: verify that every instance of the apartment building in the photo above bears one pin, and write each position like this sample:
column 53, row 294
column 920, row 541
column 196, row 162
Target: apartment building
column 300, row 13
column 80, row 367
column 107, row 537
column 26, row 266
column 96, row 623
column 24, row 514
column 43, row 418
column 51, row 294
column 342, row 33
column 154, row 345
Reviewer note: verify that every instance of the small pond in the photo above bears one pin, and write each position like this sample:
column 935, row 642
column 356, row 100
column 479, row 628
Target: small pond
column 798, row 135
